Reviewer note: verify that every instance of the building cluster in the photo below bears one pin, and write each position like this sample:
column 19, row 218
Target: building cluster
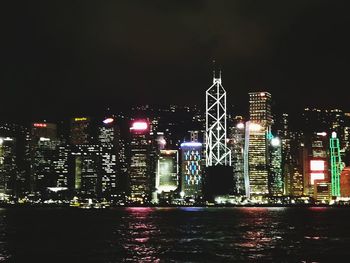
column 181, row 156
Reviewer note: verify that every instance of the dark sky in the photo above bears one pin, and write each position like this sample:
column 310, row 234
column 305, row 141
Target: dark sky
column 62, row 57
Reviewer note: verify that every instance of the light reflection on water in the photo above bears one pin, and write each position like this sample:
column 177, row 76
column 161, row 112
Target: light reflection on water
column 136, row 234
column 186, row 234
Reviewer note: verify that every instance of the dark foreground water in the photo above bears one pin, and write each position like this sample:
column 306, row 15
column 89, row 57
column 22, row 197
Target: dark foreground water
column 175, row 235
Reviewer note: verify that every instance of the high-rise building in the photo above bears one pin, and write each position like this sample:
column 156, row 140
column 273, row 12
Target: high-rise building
column 276, row 186
column 20, row 136
column 43, row 150
column 345, row 182
column 236, row 145
column 80, row 131
column 167, row 179
column 87, row 173
column 108, row 140
column 139, row 170
column 60, row 165
column 8, row 169
column 256, row 144
column 336, row 164
column 217, row 152
column 260, row 108
column 43, row 130
column 255, row 160
column 191, row 169
column 316, row 161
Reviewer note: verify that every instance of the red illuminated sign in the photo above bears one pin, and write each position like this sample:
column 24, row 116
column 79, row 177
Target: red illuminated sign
column 40, row 125
column 139, row 126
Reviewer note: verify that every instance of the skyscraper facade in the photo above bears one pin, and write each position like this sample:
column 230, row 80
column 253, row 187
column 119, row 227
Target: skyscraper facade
column 167, row 179
column 217, row 152
column 276, row 184
column 139, row 170
column 42, row 151
column 191, row 169
column 108, row 139
column 8, row 168
column 336, row 164
column 256, row 144
column 236, row 145
column 80, row 130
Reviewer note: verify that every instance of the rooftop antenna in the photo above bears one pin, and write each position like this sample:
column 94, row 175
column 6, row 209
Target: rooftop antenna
column 213, row 70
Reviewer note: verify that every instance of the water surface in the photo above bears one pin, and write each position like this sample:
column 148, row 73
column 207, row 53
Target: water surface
column 175, row 235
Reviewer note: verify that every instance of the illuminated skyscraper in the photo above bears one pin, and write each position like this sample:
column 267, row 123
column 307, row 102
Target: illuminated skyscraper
column 275, row 172
column 336, row 164
column 260, row 108
column 256, row 144
column 108, row 139
column 191, row 169
column 316, row 161
column 7, row 166
column 43, row 150
column 217, row 152
column 167, row 179
column 139, row 170
column 43, row 130
column 60, row 166
column 87, row 163
column 80, row 131
column 236, row 144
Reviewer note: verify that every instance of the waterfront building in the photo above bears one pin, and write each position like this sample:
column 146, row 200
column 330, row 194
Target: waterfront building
column 108, row 138
column 86, row 164
column 217, row 152
column 236, row 145
column 167, row 177
column 8, row 168
column 139, row 170
column 43, row 152
column 275, row 167
column 336, row 164
column 61, row 166
column 322, row 191
column 345, row 182
column 257, row 131
column 316, row 161
column 191, row 169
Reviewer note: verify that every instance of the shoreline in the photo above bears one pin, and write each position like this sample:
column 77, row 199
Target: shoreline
column 173, row 206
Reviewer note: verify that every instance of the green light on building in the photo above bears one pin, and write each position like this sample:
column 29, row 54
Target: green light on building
column 336, row 164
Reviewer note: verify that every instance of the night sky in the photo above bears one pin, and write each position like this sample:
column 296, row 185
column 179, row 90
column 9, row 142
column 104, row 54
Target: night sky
column 64, row 57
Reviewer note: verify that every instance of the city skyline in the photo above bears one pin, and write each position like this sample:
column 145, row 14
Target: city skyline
column 179, row 155
column 169, row 131
column 71, row 55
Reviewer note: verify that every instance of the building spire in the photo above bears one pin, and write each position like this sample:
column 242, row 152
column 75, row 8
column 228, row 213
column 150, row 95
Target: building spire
column 213, row 70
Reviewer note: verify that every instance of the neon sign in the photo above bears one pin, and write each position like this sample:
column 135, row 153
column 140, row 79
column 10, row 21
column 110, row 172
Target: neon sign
column 317, row 165
column 139, row 126
column 108, row 120
column 80, row 119
column 40, row 125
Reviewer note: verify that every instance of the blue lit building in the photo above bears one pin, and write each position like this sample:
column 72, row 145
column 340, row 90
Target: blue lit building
column 191, row 169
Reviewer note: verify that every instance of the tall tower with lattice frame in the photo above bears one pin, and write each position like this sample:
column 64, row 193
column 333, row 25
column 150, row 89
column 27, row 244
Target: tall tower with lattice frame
column 217, row 152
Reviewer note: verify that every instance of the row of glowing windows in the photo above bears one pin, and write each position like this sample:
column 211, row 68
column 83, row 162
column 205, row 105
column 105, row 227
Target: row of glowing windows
column 193, row 167
column 191, row 180
column 195, row 156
